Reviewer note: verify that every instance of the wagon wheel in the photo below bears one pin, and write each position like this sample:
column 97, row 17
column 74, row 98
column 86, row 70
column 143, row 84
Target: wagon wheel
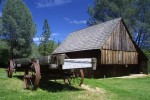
column 9, row 69
column 32, row 76
column 77, row 77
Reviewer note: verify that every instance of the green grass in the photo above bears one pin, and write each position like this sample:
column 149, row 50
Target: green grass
column 114, row 89
column 12, row 89
column 124, row 89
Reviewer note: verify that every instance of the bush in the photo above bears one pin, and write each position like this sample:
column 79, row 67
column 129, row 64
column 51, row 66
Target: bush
column 147, row 53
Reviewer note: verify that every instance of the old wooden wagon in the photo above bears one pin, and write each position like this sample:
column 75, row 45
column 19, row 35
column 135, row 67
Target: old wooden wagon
column 111, row 44
column 51, row 67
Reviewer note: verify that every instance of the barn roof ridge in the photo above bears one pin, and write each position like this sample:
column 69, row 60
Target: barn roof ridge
column 94, row 25
column 90, row 38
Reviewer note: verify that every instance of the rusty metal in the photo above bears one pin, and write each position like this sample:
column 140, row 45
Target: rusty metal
column 38, row 76
column 32, row 76
column 10, row 68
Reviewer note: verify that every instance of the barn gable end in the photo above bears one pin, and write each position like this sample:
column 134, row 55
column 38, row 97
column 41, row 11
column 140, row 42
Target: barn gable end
column 119, row 39
column 119, row 47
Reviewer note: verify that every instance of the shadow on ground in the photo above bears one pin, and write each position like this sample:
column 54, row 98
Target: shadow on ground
column 52, row 86
column 18, row 76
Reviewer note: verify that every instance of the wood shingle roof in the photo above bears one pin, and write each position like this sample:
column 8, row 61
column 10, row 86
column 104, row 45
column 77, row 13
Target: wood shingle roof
column 90, row 38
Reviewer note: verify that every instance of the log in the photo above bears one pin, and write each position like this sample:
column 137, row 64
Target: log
column 22, row 61
column 45, row 60
column 79, row 63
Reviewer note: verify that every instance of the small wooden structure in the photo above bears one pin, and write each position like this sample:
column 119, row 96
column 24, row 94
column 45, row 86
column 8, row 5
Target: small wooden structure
column 111, row 43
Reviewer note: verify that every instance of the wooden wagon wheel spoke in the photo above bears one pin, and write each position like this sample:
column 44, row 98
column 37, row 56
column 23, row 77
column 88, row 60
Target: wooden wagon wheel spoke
column 77, row 77
column 32, row 76
column 10, row 68
column 31, row 82
column 80, row 77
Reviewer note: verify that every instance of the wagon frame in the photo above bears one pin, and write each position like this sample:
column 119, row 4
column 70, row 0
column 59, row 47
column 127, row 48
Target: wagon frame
column 35, row 70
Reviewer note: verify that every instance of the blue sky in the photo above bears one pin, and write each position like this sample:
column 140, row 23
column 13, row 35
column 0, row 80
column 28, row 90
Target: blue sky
column 64, row 16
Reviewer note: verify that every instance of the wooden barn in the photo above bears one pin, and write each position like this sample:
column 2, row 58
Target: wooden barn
column 111, row 43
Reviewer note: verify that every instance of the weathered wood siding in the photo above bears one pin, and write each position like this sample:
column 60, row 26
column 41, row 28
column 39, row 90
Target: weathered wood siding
column 119, row 48
column 118, row 57
column 119, row 39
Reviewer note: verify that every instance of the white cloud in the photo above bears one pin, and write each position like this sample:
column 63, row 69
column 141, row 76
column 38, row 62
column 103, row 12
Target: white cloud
column 75, row 21
column 78, row 22
column 36, row 39
column 55, row 34
column 67, row 19
column 0, row 13
column 51, row 3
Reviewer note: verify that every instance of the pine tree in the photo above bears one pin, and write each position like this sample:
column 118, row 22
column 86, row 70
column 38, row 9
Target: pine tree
column 45, row 39
column 18, row 28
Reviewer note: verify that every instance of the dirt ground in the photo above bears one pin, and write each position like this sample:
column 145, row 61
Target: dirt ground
column 93, row 93
column 134, row 76
column 88, row 88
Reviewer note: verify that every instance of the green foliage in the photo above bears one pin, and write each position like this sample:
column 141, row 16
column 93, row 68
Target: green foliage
column 18, row 28
column 46, row 32
column 134, row 12
column 143, row 22
column 4, row 53
column 49, row 48
column 52, row 45
column 34, row 53
column 46, row 46
column 147, row 53
column 43, row 47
